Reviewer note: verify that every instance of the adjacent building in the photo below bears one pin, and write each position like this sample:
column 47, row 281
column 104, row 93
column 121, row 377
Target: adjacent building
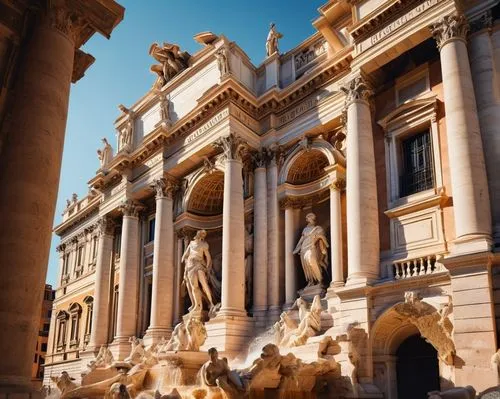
column 385, row 124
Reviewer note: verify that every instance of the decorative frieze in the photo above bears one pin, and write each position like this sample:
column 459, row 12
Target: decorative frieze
column 309, row 55
column 130, row 207
column 165, row 188
column 450, row 27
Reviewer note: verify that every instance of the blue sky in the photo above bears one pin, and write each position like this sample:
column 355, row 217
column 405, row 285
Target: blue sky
column 121, row 73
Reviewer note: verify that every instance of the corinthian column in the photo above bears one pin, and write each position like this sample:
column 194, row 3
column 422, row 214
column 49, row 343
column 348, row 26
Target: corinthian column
column 362, row 209
column 483, row 67
column 260, row 245
column 129, row 278
column 100, row 314
column 292, row 215
column 162, row 298
column 30, row 166
column 233, row 229
column 471, row 205
column 273, row 282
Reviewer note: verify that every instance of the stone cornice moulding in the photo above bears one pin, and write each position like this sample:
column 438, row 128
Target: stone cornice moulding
column 78, row 217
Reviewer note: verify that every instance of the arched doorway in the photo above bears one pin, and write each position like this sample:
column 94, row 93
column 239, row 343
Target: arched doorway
column 417, row 368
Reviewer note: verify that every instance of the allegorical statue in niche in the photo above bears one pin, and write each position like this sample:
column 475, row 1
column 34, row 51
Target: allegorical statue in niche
column 171, row 59
column 312, row 247
column 125, row 135
column 105, row 154
column 198, row 274
column 272, row 40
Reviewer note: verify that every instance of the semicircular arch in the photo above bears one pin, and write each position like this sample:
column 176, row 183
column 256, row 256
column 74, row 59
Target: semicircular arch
column 205, row 193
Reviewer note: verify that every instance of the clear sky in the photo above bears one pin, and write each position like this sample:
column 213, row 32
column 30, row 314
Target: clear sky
column 120, row 74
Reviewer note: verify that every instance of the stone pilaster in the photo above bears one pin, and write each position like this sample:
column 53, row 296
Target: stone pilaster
column 273, row 282
column 471, row 205
column 162, row 298
column 363, row 244
column 292, row 216
column 336, row 188
column 260, row 243
column 483, row 67
column 126, row 321
column 30, row 167
column 102, row 305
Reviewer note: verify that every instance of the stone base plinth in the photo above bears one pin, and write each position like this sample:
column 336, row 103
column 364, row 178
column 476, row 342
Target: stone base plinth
column 154, row 335
column 230, row 334
column 120, row 348
column 310, row 292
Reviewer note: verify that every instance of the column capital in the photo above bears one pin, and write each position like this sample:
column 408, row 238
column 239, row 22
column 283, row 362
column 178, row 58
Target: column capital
column 131, row 208
column 164, row 187
column 292, row 202
column 449, row 28
column 232, row 146
column 61, row 248
column 105, row 226
column 338, row 184
column 356, row 89
column 259, row 158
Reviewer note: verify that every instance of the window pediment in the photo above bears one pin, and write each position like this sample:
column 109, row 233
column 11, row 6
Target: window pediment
column 410, row 113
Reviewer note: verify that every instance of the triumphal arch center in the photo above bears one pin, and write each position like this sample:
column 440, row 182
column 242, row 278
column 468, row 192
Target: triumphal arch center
column 339, row 202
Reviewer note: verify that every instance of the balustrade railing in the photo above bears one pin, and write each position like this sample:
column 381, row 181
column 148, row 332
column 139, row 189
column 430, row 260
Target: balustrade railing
column 418, row 266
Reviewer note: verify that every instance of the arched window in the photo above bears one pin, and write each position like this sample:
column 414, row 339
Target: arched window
column 75, row 311
column 62, row 320
column 89, row 301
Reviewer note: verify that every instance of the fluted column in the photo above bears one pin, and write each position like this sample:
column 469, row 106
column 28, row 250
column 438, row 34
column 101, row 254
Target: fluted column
column 102, row 305
column 273, row 283
column 292, row 215
column 363, row 245
column 129, row 277
column 233, row 230
column 30, row 166
column 471, row 205
column 162, row 298
column 260, row 241
column 336, row 189
column 487, row 93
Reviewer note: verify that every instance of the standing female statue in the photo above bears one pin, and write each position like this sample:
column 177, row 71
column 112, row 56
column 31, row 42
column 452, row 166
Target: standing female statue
column 198, row 263
column 312, row 247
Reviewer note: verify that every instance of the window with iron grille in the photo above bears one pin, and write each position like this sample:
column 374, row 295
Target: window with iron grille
column 418, row 170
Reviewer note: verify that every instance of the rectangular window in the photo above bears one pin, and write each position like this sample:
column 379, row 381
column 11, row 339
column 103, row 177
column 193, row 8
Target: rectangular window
column 46, row 327
column 44, row 347
column 418, row 171
column 151, row 230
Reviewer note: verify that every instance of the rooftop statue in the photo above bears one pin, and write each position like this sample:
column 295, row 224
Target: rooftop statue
column 312, row 247
column 272, row 40
column 105, row 154
column 171, row 59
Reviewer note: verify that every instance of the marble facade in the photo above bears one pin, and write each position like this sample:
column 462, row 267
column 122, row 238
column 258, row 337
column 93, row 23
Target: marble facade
column 219, row 144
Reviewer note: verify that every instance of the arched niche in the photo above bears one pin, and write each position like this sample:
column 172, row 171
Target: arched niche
column 307, row 162
column 205, row 193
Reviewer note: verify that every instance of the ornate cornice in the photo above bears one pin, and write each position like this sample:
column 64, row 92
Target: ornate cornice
column 130, row 208
column 105, row 226
column 233, row 146
column 165, row 188
column 450, row 27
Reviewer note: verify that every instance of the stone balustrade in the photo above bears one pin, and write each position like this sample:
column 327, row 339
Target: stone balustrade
column 414, row 267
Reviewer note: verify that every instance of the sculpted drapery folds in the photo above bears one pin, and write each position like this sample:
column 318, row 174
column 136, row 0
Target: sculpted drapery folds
column 171, row 59
column 105, row 154
column 272, row 40
column 450, row 27
column 222, row 61
column 312, row 247
column 126, row 133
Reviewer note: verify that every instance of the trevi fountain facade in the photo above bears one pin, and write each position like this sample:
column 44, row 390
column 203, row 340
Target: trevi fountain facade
column 322, row 225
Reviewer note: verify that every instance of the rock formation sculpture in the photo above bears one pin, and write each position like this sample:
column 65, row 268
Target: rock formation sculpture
column 64, row 383
column 467, row 392
column 312, row 247
column 117, row 391
column 137, row 351
column 272, row 40
column 187, row 336
column 171, row 62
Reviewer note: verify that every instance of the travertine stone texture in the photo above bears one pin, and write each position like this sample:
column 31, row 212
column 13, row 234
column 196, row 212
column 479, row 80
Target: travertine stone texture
column 260, row 244
column 292, row 219
column 163, row 270
column 129, row 284
column 273, row 299
column 29, row 171
column 361, row 190
column 100, row 315
column 487, row 92
column 471, row 203
column 233, row 236
column 336, row 236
